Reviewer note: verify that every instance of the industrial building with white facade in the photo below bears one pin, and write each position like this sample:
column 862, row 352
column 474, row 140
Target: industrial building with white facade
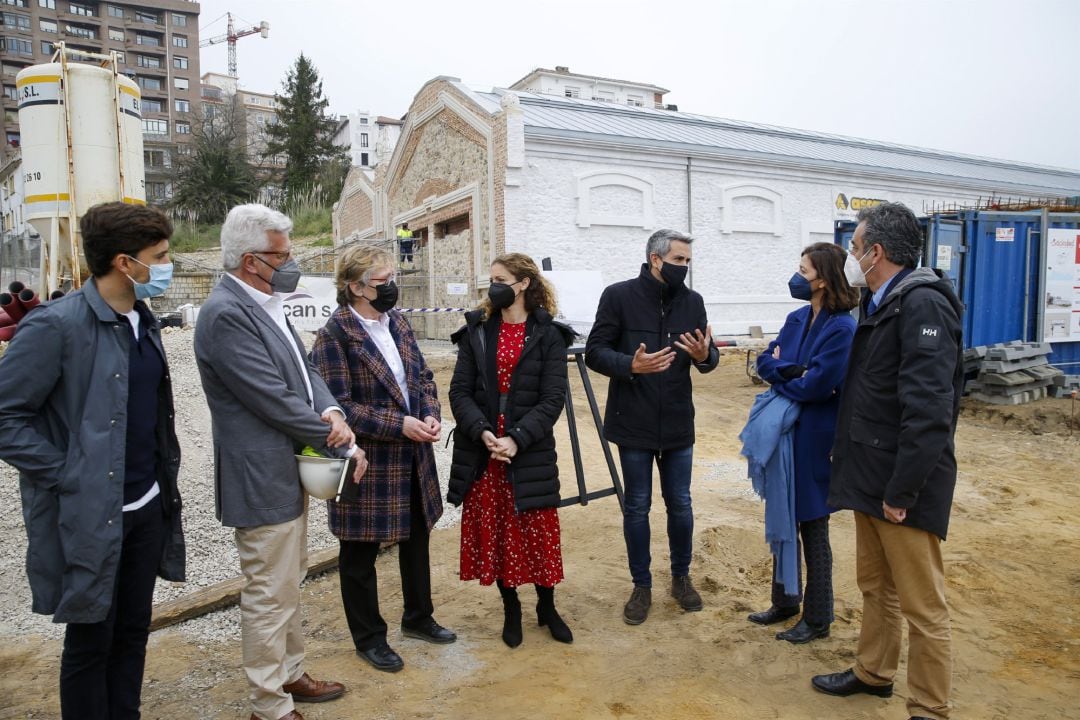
column 585, row 181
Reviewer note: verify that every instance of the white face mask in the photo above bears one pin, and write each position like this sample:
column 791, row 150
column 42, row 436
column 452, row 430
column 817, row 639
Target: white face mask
column 853, row 270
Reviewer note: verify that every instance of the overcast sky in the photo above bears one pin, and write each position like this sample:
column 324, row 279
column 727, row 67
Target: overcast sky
column 990, row 77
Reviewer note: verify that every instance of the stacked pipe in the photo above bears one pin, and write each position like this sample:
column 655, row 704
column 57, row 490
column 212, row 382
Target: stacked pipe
column 14, row 304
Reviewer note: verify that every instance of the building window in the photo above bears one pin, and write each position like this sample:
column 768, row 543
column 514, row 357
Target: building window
column 155, row 127
column 146, row 17
column 116, row 34
column 180, row 63
column 50, row 4
column 47, row 47
column 183, row 149
column 180, row 83
column 154, row 158
column 148, row 83
column 363, row 121
column 364, row 159
column 83, row 32
column 572, row 92
column 183, row 128
column 17, row 3
column 635, row 100
column 155, row 191
column 183, row 106
column 147, row 40
column 148, row 61
column 149, row 105
column 17, row 45
column 16, row 21
column 115, row 11
column 179, row 20
column 363, row 140
column 179, row 40
column 11, row 92
column 84, row 10
column 48, row 26
column 605, row 96
column 119, row 56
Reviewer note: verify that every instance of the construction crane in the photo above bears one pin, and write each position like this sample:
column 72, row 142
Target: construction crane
column 263, row 29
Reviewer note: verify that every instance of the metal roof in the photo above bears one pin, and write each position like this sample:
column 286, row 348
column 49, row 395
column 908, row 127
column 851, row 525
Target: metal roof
column 557, row 117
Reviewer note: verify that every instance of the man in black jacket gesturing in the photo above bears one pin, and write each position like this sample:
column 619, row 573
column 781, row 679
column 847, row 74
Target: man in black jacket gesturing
column 648, row 332
column 894, row 462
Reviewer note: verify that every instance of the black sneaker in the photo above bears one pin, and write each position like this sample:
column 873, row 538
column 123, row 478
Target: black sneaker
column 683, row 591
column 637, row 608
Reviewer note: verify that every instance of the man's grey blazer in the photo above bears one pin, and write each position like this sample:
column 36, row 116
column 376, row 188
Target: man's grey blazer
column 259, row 407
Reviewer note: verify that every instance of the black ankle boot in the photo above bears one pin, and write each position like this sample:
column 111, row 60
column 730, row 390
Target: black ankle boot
column 511, row 633
column 546, row 614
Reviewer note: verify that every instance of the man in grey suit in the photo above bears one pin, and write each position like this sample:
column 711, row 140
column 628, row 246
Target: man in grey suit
column 266, row 402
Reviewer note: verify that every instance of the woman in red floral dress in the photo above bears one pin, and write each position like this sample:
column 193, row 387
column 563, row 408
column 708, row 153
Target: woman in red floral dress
column 508, row 389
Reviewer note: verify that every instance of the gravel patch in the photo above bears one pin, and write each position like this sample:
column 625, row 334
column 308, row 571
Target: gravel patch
column 211, row 554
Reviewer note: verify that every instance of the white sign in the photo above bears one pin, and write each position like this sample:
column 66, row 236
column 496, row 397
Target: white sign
column 311, row 304
column 944, row 257
column 1061, row 297
column 457, row 288
column 578, row 294
column 1005, row 234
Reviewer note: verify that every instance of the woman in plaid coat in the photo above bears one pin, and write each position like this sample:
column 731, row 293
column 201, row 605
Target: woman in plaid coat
column 368, row 355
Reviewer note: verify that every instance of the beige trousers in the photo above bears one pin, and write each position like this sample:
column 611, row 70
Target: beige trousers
column 273, row 559
column 901, row 577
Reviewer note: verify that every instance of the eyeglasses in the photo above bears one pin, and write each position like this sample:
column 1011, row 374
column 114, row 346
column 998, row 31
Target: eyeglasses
column 281, row 256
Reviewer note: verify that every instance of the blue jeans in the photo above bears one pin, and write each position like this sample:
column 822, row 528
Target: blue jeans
column 675, row 466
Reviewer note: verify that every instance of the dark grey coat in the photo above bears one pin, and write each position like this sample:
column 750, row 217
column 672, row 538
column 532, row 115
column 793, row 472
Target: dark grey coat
column 63, row 424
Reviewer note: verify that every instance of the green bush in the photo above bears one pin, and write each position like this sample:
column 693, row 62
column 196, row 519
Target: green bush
column 190, row 237
column 312, row 221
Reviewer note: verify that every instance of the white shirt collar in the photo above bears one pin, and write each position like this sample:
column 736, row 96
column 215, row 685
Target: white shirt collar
column 383, row 319
column 257, row 295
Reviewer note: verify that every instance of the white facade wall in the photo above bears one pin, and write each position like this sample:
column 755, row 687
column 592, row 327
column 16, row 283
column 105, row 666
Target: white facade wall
column 594, row 209
column 592, row 89
column 11, row 201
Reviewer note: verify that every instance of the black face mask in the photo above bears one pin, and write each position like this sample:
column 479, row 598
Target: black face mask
column 386, row 297
column 674, row 275
column 501, row 295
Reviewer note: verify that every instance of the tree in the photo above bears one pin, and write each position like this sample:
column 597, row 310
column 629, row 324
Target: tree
column 216, row 175
column 304, row 136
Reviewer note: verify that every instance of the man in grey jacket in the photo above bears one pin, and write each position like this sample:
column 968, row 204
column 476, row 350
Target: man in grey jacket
column 86, row 415
column 266, row 402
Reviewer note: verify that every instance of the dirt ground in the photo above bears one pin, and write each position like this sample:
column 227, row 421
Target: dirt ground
column 1012, row 559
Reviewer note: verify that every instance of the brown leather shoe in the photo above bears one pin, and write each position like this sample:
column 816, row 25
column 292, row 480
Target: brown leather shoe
column 293, row 715
column 307, row 689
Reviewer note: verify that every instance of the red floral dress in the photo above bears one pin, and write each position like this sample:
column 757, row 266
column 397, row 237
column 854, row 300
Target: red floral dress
column 497, row 542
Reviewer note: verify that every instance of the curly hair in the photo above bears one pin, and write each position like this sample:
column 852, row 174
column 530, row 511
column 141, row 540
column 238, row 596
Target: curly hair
column 540, row 292
column 828, row 260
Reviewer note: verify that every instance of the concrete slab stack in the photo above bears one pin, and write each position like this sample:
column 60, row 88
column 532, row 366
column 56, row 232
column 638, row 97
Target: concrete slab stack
column 1011, row 373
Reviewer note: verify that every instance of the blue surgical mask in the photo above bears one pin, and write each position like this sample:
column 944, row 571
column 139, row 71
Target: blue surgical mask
column 160, row 279
column 800, row 287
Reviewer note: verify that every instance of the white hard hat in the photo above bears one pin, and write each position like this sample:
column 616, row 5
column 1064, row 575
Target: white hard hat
column 320, row 476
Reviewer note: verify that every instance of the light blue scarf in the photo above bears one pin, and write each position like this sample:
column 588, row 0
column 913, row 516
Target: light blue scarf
column 767, row 447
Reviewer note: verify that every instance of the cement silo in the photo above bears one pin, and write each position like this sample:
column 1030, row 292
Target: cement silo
column 82, row 145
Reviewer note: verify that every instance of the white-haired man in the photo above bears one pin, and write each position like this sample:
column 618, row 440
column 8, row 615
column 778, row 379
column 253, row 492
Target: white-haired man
column 266, row 402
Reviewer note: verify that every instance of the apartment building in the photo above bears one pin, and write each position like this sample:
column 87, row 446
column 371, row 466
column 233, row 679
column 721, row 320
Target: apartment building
column 370, row 140
column 158, row 41
column 260, row 112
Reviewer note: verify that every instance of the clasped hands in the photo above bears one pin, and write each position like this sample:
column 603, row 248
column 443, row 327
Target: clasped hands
column 696, row 344
column 502, row 449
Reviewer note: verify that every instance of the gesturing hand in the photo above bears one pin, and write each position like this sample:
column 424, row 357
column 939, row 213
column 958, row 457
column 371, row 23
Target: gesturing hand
column 417, row 430
column 644, row 363
column 696, row 344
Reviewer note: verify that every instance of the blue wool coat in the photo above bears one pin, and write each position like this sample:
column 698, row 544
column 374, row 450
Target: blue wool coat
column 823, row 350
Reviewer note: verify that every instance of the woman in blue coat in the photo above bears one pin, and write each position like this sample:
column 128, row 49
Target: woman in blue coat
column 806, row 363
